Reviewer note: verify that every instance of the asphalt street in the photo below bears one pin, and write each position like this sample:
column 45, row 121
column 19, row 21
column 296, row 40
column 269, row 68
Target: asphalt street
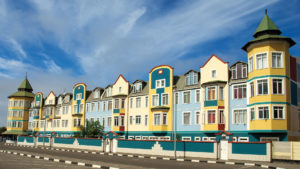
column 120, row 162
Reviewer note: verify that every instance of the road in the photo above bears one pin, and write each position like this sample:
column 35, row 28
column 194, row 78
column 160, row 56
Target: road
column 106, row 160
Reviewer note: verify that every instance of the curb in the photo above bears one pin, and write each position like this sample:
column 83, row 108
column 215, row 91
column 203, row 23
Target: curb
column 154, row 157
column 58, row 160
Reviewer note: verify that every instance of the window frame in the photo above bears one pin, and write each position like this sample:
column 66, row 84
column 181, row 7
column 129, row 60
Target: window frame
column 207, row 116
column 199, row 118
column 242, row 85
column 190, row 118
column 257, row 89
column 281, row 59
column 257, row 108
column 159, row 114
column 267, row 59
column 162, row 99
column 239, row 111
column 206, row 92
column 214, row 73
column 283, row 112
column 160, row 83
column 196, row 97
column 183, row 94
column 152, row 100
column 282, row 85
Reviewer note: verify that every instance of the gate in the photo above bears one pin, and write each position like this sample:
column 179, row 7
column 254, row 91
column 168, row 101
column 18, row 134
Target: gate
column 224, row 149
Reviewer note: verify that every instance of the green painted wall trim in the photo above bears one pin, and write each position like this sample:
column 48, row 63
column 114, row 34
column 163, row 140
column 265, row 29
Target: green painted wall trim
column 259, row 103
column 258, row 77
column 209, row 103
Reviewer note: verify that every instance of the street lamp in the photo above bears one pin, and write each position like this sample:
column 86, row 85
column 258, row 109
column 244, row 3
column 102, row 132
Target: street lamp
column 174, row 113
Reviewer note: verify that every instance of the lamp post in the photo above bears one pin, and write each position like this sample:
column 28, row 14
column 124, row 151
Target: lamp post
column 174, row 113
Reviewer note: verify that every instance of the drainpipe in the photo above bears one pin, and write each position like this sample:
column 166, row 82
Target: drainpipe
column 174, row 113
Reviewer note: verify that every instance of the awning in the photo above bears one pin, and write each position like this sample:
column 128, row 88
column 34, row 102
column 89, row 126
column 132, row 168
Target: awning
column 15, row 133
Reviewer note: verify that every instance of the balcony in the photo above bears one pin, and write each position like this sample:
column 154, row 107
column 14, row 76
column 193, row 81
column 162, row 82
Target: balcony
column 77, row 114
column 210, row 103
column 121, row 128
column 160, row 108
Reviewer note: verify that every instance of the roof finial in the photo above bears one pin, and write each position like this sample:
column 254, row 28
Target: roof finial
column 266, row 11
column 26, row 75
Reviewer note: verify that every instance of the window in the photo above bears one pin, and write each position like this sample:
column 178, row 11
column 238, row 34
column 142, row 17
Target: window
column 156, row 119
column 122, row 121
column 211, row 116
column 103, row 121
column 93, row 107
column 244, row 71
column 251, row 64
column 122, row 103
column 243, row 139
column 74, row 122
column 138, row 137
column 108, row 121
column 176, row 98
column 197, row 138
column 120, row 89
column 278, row 112
column 130, row 137
column 146, row 120
column 191, row 78
column 78, row 96
column 234, row 72
column 197, row 96
column 146, row 101
column 263, row 112
column 198, row 117
column 213, row 73
column 264, row 139
column 221, row 116
column 154, row 100
column 276, row 60
column 58, row 123
column 187, row 118
column 205, row 138
column 97, row 94
column 252, row 114
column 261, row 61
column 145, row 138
column 104, row 106
column 130, row 120
column 75, row 108
column 78, row 122
column 80, row 108
column 138, row 102
column 252, row 89
column 161, row 83
column 165, row 99
column 262, row 86
column 239, row 91
column 116, row 121
column 212, row 138
column 117, row 104
column 138, row 119
column 15, row 103
column 277, row 86
column 186, row 139
column 98, row 107
column 110, row 105
column 165, row 119
column 21, row 103
column 211, row 93
column 131, row 102
column 221, row 93
column 240, row 116
column 234, row 139
column 186, row 97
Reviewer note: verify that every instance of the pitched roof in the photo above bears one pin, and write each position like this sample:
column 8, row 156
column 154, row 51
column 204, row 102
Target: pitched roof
column 22, row 94
column 25, row 85
column 266, row 24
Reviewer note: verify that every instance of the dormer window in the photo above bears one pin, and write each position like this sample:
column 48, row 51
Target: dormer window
column 137, row 87
column 109, row 92
column 66, row 99
column 161, row 83
column 97, row 94
column 78, row 96
column 191, row 78
column 59, row 100
column 239, row 71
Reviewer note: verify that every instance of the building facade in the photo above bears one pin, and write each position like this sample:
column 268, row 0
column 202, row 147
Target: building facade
column 257, row 100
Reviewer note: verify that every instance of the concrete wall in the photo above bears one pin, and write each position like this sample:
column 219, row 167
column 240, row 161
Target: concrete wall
column 286, row 150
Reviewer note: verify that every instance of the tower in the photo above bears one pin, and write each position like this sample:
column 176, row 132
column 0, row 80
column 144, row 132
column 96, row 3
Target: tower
column 18, row 109
column 269, row 94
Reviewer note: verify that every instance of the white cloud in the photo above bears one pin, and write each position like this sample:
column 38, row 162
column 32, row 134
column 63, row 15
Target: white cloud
column 18, row 48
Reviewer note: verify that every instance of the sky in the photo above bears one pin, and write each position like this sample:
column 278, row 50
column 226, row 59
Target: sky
column 61, row 43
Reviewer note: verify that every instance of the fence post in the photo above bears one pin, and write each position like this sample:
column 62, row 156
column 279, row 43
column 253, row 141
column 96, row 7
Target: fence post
column 292, row 147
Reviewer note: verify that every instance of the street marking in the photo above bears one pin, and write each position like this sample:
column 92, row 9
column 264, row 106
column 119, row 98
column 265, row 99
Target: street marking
column 102, row 153
column 113, row 168
column 56, row 160
column 37, row 157
column 130, row 155
column 180, row 159
column 86, row 152
column 82, row 164
column 264, row 166
column 166, row 158
column 15, row 153
column 230, row 163
column 21, row 154
column 153, row 157
column 141, row 157
column 211, row 162
column 195, row 161
column 249, row 164
column 68, row 162
column 111, row 154
column 96, row 166
column 78, row 151
column 93, row 152
column 28, row 155
column 46, row 158
column 120, row 155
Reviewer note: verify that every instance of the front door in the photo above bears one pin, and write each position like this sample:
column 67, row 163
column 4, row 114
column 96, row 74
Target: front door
column 224, row 149
column 107, row 145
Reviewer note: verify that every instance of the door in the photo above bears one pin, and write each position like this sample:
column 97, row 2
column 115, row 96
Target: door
column 107, row 145
column 224, row 149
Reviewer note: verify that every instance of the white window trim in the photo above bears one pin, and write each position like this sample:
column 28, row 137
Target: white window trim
column 183, row 96
column 282, row 57
column 176, row 93
column 257, row 110
column 197, row 139
column 283, row 85
column 145, row 138
column 138, row 137
column 278, row 105
column 253, row 67
column 233, row 117
column 234, row 139
column 189, row 138
column 122, row 137
column 200, row 95
column 162, row 119
column 183, row 118
column 130, row 137
column 243, row 139
column 240, row 84
column 157, row 87
column 154, row 119
column 256, row 82
column 211, row 73
column 212, row 138
column 162, row 99
column 199, row 117
column 206, row 92
column 216, row 117
column 250, row 114
column 153, row 99
column 205, row 139
column 267, row 60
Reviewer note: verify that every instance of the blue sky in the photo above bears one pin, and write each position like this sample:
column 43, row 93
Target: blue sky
column 60, row 43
